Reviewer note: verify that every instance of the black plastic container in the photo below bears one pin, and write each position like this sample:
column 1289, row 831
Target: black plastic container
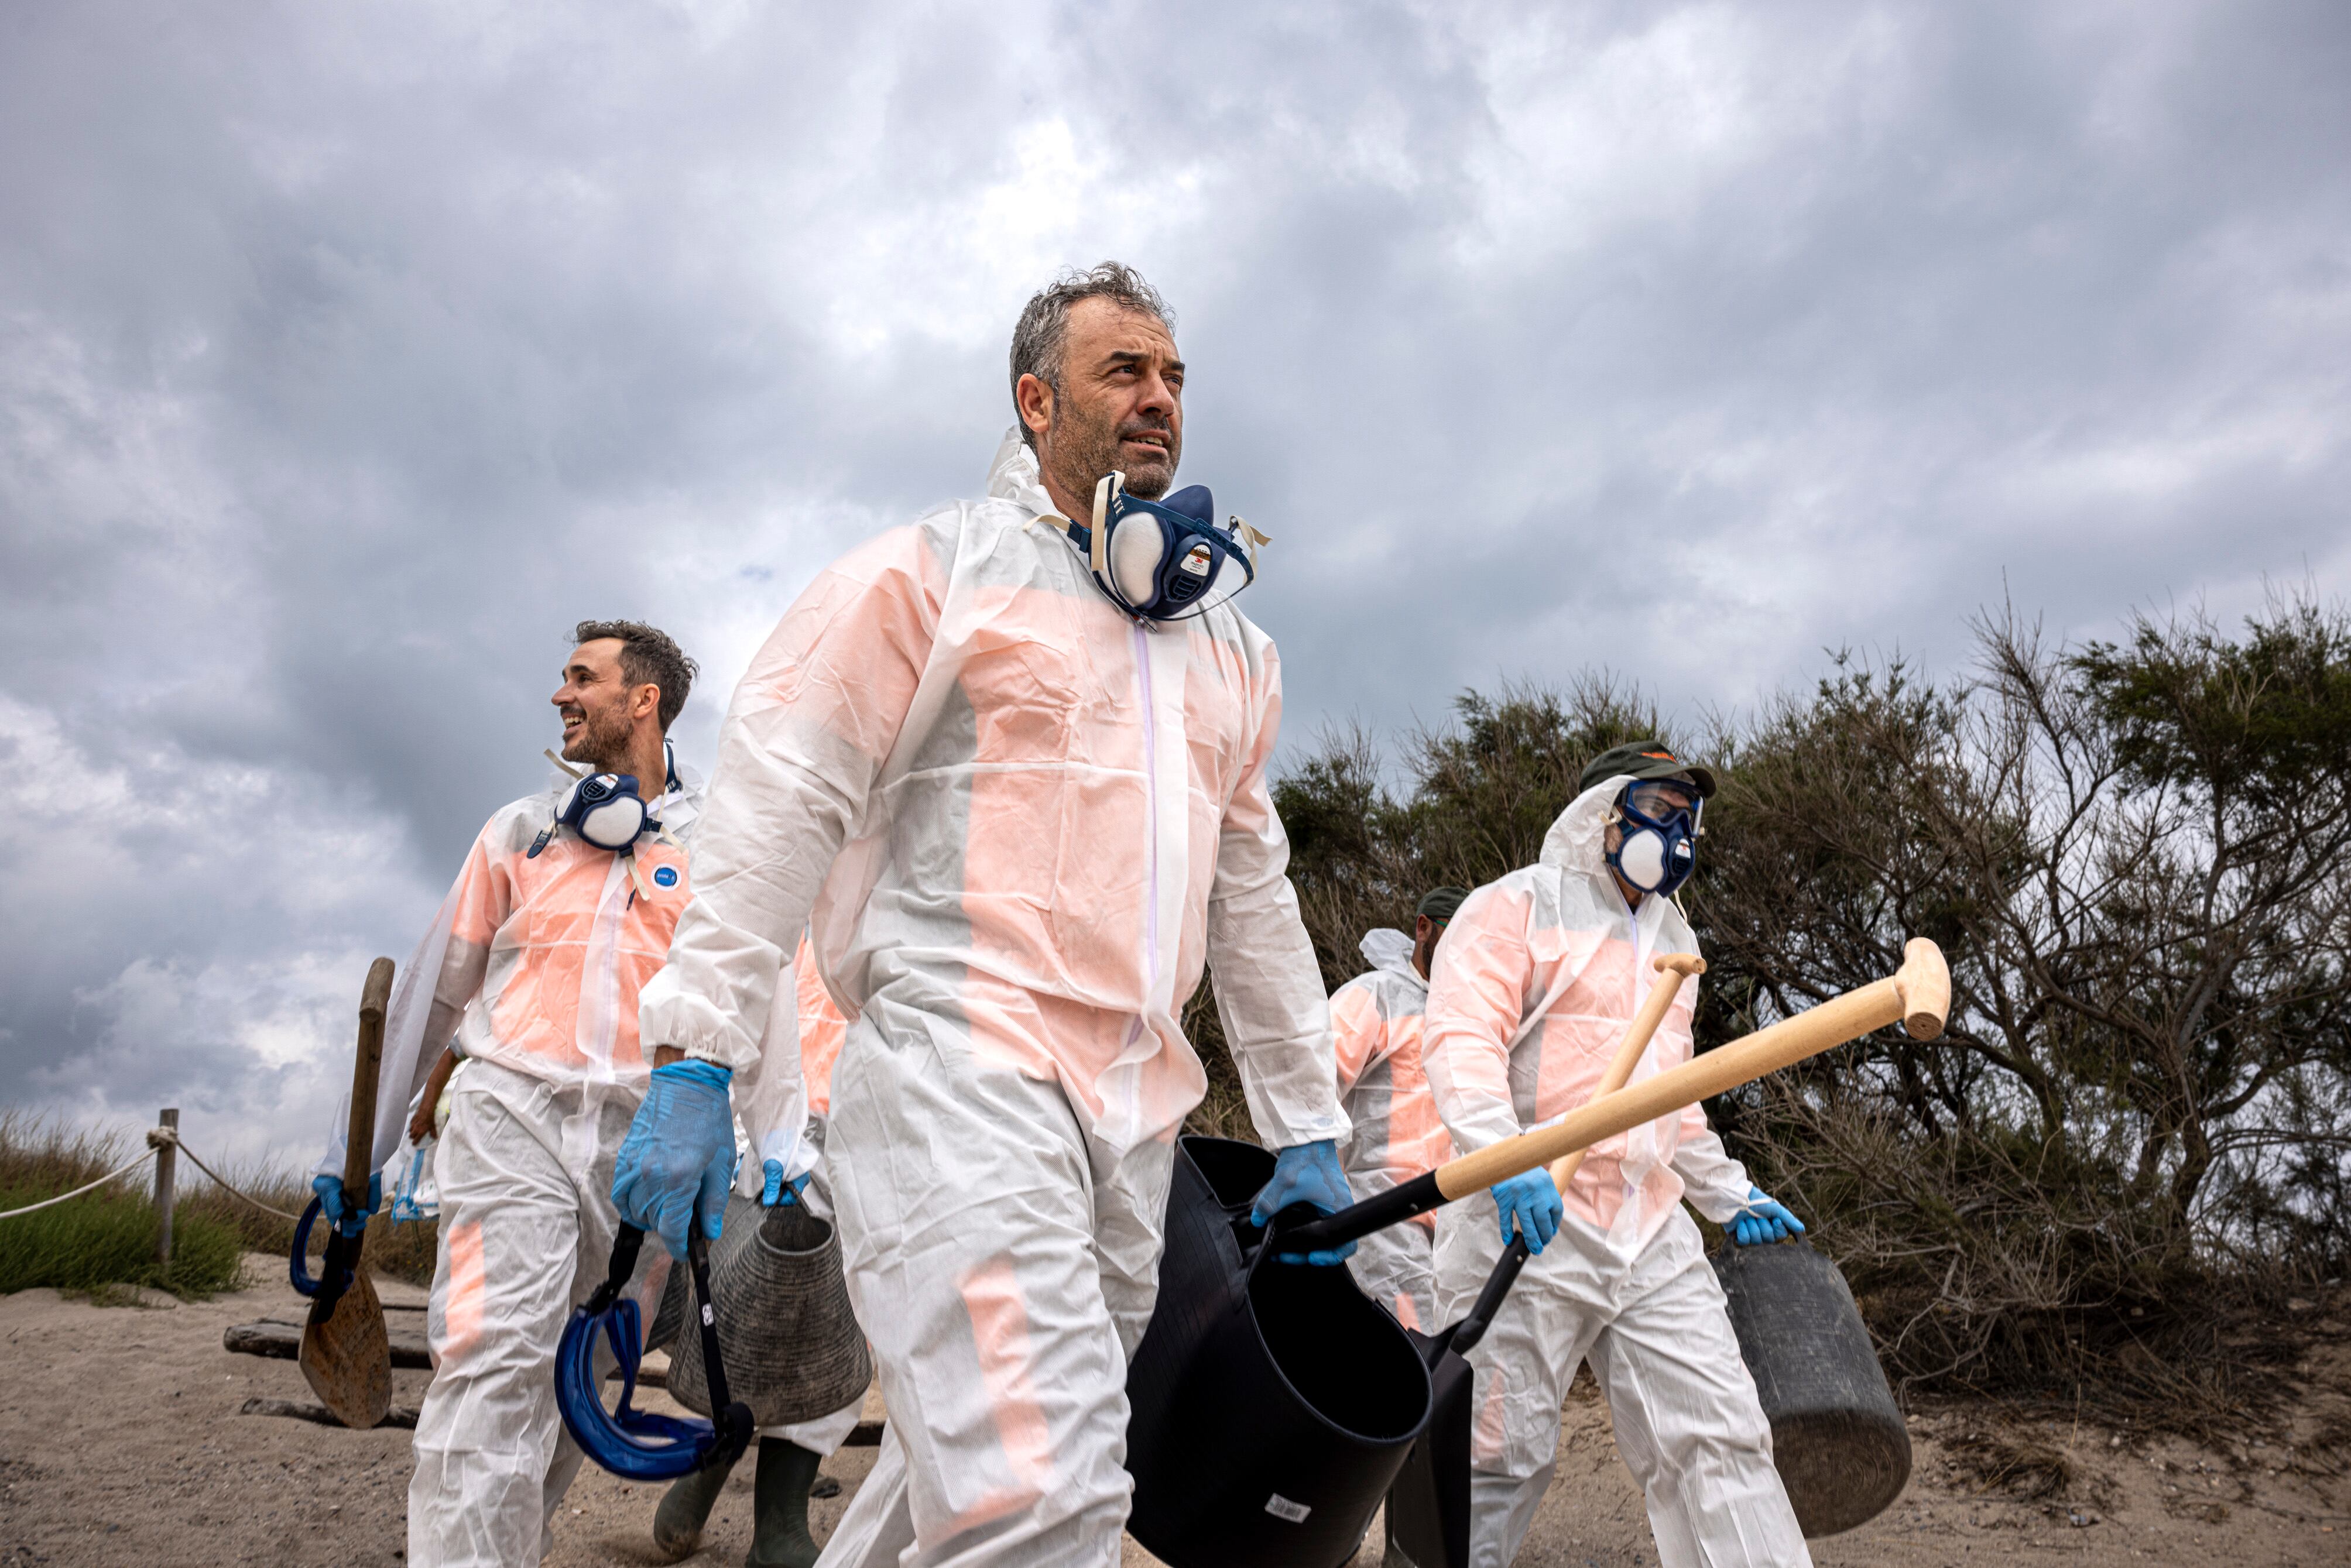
column 1272, row 1404
column 1837, row 1437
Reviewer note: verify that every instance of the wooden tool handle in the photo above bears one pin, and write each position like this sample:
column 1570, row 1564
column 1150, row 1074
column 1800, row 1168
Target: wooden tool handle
column 1919, row 996
column 359, row 1138
column 1672, row 969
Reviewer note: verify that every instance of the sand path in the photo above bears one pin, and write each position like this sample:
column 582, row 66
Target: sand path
column 121, row 1444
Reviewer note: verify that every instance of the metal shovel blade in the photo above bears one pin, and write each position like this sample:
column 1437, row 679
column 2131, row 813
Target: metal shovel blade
column 346, row 1355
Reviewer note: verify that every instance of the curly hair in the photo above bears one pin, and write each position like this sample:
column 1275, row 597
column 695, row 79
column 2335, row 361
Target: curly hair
column 1044, row 323
column 648, row 658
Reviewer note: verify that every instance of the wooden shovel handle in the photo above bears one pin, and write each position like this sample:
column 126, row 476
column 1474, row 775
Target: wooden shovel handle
column 1918, row 995
column 1672, row 969
column 359, row 1141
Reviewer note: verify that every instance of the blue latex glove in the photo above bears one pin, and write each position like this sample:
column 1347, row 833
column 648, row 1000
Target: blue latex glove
column 337, row 1207
column 777, row 1190
column 1762, row 1220
column 1306, row 1173
column 1531, row 1206
column 680, row 1151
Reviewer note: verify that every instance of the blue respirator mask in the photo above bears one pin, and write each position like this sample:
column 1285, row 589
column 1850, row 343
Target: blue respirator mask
column 1164, row 561
column 604, row 808
column 1658, row 849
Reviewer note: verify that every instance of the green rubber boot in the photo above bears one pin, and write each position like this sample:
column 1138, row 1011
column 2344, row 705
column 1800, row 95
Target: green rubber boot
column 684, row 1508
column 779, row 1531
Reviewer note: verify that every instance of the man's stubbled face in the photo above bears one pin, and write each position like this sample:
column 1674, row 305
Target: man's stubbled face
column 594, row 704
column 1120, row 402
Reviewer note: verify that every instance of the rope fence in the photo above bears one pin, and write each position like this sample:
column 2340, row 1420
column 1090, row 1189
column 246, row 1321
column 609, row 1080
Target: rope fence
column 86, row 1186
column 163, row 1146
column 163, row 1134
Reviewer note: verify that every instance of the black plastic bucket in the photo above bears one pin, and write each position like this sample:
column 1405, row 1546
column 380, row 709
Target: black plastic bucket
column 1838, row 1439
column 1272, row 1404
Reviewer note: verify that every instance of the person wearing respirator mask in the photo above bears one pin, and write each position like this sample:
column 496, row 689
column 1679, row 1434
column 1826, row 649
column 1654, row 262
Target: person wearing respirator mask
column 1013, row 776
column 564, row 907
column 1537, row 981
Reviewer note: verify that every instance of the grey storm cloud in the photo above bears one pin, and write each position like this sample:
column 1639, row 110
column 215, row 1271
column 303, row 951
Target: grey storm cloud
column 349, row 354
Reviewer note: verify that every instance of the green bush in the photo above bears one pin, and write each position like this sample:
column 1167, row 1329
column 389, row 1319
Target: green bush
column 2099, row 1187
column 107, row 1239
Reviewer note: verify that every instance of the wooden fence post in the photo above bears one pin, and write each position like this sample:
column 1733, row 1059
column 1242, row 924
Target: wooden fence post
column 167, row 1156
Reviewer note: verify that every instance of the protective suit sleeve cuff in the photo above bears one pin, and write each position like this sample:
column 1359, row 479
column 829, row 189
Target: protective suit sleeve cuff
column 698, row 1070
column 669, row 1015
column 1284, row 1128
column 717, row 1053
column 1468, row 1138
column 1720, row 1204
column 794, row 1151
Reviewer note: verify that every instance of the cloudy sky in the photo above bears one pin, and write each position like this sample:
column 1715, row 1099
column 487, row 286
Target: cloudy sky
column 348, row 353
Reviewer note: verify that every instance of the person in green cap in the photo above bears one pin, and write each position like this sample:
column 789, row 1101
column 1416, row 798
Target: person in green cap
column 1539, row 979
column 1375, row 1023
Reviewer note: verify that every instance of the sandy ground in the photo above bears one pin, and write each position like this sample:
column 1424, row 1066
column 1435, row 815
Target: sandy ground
column 121, row 1443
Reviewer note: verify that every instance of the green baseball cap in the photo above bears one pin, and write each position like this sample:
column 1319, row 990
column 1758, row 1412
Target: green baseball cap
column 1440, row 903
column 1645, row 759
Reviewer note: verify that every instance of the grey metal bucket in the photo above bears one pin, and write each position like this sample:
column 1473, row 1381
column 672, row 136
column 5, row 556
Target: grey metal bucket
column 792, row 1346
column 1837, row 1437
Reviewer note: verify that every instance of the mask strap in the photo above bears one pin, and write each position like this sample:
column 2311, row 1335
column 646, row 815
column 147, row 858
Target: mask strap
column 577, row 770
column 1097, row 546
column 1251, row 538
column 547, row 835
column 637, row 875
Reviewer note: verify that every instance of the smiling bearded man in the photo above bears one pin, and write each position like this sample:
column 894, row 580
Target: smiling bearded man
column 564, row 908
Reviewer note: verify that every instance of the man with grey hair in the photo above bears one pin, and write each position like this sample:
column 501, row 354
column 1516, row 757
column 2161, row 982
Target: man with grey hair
column 1017, row 815
column 1078, row 437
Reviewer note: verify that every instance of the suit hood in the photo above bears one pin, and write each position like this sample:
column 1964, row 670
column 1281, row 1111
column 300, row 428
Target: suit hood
column 1012, row 475
column 1389, row 949
column 1577, row 840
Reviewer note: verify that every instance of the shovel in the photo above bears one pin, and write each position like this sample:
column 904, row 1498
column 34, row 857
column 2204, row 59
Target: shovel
column 346, row 1353
column 1429, row 1506
column 1917, row 996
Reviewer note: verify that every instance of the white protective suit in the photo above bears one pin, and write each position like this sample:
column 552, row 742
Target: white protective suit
column 1022, row 822
column 1375, row 1025
column 1530, row 995
column 540, row 964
